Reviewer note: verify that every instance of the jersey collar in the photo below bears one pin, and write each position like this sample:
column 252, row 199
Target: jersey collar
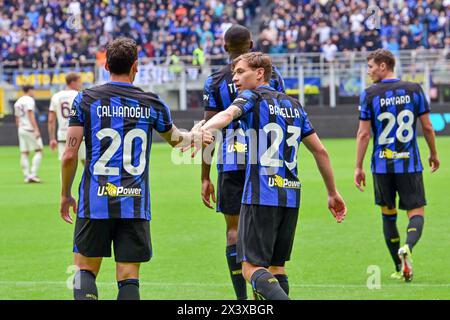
column 266, row 86
column 390, row 80
column 120, row 83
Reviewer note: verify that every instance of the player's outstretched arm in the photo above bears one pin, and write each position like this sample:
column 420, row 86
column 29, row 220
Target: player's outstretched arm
column 429, row 135
column 336, row 204
column 362, row 141
column 68, row 170
column 52, row 130
column 194, row 138
column 219, row 121
column 223, row 118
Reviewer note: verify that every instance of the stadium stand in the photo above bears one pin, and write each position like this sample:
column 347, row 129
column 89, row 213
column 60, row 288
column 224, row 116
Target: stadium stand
column 317, row 26
column 64, row 33
column 318, row 45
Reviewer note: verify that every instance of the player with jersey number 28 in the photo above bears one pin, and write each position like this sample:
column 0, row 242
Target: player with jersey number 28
column 391, row 107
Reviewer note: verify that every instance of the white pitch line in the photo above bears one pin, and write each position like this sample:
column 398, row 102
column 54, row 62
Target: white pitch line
column 192, row 285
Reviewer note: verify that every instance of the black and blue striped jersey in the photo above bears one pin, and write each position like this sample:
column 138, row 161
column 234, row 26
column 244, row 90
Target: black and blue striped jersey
column 118, row 119
column 393, row 107
column 219, row 92
column 276, row 124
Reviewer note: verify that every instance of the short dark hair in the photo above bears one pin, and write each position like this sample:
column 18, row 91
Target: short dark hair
column 120, row 55
column 27, row 88
column 382, row 55
column 72, row 76
column 256, row 60
column 237, row 39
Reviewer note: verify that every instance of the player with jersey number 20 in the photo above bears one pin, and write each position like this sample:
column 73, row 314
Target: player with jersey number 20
column 117, row 121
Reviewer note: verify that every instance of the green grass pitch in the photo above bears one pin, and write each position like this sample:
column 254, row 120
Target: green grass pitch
column 329, row 261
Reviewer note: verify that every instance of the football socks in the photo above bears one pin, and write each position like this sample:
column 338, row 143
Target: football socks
column 239, row 283
column 414, row 231
column 128, row 289
column 84, row 287
column 392, row 237
column 266, row 285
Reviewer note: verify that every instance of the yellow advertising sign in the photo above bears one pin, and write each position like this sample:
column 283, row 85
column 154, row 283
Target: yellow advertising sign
column 46, row 79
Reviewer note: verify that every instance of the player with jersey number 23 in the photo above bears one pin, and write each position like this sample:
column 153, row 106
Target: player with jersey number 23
column 271, row 196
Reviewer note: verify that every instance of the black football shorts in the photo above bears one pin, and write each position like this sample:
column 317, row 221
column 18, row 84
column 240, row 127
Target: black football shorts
column 130, row 238
column 230, row 186
column 266, row 234
column 409, row 187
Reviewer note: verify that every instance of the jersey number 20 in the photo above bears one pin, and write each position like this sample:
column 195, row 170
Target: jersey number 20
column 100, row 167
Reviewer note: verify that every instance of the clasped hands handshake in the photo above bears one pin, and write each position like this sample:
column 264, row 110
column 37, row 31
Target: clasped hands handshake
column 198, row 138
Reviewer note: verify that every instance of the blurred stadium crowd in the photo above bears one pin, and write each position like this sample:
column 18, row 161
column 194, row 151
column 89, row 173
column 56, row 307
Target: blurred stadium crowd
column 36, row 33
column 48, row 33
column 339, row 25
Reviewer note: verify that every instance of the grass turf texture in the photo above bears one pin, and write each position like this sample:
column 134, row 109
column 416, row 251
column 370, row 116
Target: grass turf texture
column 329, row 261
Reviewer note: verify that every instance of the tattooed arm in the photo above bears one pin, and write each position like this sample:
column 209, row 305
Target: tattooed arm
column 68, row 170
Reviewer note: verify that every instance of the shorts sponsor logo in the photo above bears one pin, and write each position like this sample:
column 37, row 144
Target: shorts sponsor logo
column 73, row 112
column 112, row 190
column 391, row 154
column 280, row 182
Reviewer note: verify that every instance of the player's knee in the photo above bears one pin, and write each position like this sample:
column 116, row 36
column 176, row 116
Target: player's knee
column 277, row 270
column 87, row 267
column 247, row 271
column 86, row 263
column 231, row 236
column 416, row 212
column 127, row 271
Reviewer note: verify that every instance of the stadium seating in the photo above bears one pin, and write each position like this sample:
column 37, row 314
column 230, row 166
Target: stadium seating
column 64, row 33
column 68, row 33
column 329, row 26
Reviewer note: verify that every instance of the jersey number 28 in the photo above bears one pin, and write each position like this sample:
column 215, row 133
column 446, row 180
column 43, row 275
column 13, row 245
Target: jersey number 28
column 402, row 127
